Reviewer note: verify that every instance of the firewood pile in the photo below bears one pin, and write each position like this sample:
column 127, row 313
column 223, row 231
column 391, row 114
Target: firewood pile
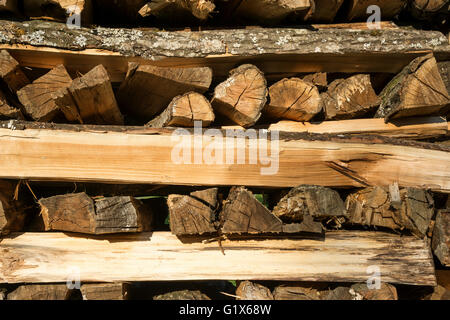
column 270, row 150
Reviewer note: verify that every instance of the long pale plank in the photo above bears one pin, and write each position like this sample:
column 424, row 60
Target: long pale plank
column 99, row 155
column 274, row 51
column 413, row 128
column 342, row 256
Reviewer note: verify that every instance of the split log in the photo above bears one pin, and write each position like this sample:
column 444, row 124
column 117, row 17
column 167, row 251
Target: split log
column 339, row 293
column 148, row 89
column 308, row 225
column 293, row 99
column 270, row 11
column 318, row 79
column 160, row 256
column 350, row 98
column 253, row 291
column 12, row 215
column 405, row 128
column 79, row 213
column 416, row 91
column 59, row 10
column 41, row 292
column 37, row 97
column 276, row 51
column 325, row 160
column 430, row 10
column 200, row 9
column 182, row 295
column 184, row 110
column 104, row 291
column 357, row 9
column 439, row 293
column 243, row 213
column 444, row 70
column 376, row 206
column 194, row 214
column 324, row 10
column 385, row 292
column 441, row 237
column 242, row 96
column 2, row 294
column 11, row 73
column 318, row 202
column 95, row 99
column 295, row 293
column 7, row 111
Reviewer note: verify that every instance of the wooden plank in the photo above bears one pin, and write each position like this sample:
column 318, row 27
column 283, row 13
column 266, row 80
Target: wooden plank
column 275, row 51
column 343, row 256
column 156, row 156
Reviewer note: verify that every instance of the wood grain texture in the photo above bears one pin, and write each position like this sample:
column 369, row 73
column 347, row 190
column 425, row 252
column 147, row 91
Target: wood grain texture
column 441, row 237
column 146, row 157
column 11, row 73
column 40, row 292
column 104, row 291
column 342, row 257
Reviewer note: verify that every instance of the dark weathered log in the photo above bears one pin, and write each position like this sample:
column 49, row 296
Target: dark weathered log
column 37, row 98
column 11, row 73
column 350, row 98
column 441, row 237
column 319, row 202
column 41, row 292
column 253, row 291
column 182, row 295
column 293, row 99
column 318, row 79
column 376, row 206
column 295, row 293
column 242, row 96
column 357, row 9
column 104, row 291
column 200, row 9
column 243, row 213
column 184, row 110
column 385, row 292
column 416, row 91
column 324, row 10
column 79, row 213
column 430, row 10
column 270, row 11
column 147, row 89
column 307, row 225
column 59, row 10
column 7, row 111
column 95, row 98
column 12, row 215
column 194, row 214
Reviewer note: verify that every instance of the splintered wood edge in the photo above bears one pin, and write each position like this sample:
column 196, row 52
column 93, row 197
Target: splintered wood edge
column 344, row 256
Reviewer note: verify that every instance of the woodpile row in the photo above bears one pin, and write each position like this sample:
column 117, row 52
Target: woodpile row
column 320, row 171
column 224, row 12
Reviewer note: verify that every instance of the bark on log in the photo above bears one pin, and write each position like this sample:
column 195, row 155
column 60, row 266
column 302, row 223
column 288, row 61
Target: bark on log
column 40, row 292
column 80, row 213
column 182, row 295
column 184, row 110
column 430, row 10
column 374, row 206
column 147, row 89
column 409, row 262
column 295, row 293
column 416, row 91
column 242, row 96
column 200, row 9
column 318, row 79
column 12, row 215
column 318, row 202
column 243, row 213
column 11, row 73
column 293, row 99
column 95, row 98
column 306, row 158
column 357, row 9
column 38, row 97
column 194, row 214
column 253, row 291
column 7, row 111
column 270, row 11
column 350, row 98
column 324, row 10
column 59, row 10
column 104, row 291
column 441, row 237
